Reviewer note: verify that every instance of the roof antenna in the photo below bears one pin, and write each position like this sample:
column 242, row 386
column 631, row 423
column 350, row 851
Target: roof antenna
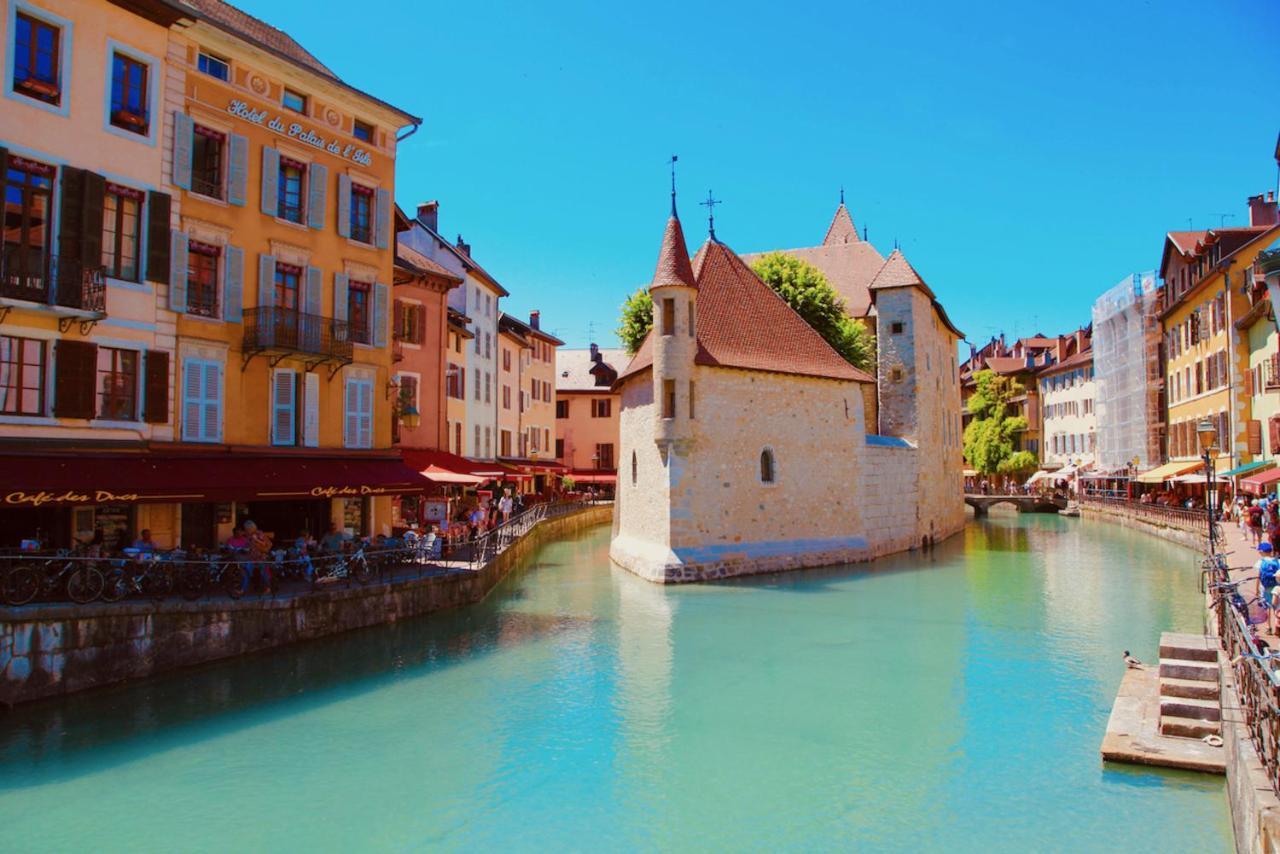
column 674, row 158
column 710, row 205
column 1189, row 226
column 1222, row 219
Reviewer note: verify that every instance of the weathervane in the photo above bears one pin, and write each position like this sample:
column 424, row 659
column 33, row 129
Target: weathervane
column 710, row 205
column 674, row 158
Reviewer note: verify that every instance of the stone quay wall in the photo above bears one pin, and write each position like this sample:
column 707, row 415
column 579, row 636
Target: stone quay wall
column 1136, row 520
column 52, row 650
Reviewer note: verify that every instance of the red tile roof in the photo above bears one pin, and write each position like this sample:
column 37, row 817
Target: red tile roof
column 255, row 29
column 743, row 323
column 673, row 259
column 842, row 230
column 848, row 262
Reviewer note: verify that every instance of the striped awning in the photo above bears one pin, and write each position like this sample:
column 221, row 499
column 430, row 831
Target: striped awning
column 1168, row 470
column 1247, row 468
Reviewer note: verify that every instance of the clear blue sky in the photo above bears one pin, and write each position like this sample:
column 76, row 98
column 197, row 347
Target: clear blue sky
column 1026, row 155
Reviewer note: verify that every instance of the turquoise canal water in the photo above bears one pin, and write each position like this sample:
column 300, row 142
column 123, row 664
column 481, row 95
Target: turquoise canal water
column 952, row 701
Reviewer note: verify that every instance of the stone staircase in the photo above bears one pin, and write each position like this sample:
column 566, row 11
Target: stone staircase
column 1189, row 698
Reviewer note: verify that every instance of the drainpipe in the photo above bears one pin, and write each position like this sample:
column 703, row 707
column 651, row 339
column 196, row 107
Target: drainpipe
column 412, row 130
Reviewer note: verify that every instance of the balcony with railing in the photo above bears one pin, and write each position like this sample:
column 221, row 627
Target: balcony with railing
column 284, row 331
column 65, row 286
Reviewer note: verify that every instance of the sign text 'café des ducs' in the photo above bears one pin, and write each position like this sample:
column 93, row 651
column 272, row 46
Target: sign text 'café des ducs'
column 294, row 130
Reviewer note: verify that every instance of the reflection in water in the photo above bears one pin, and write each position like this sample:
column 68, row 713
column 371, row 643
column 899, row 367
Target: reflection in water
column 954, row 698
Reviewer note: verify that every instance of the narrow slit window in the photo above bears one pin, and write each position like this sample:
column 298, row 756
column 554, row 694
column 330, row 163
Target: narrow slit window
column 668, row 398
column 668, row 317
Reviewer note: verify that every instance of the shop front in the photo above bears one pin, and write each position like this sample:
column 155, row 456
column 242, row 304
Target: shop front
column 196, row 500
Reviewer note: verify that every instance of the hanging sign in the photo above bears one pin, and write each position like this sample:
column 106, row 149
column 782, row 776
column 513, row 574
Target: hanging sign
column 294, row 130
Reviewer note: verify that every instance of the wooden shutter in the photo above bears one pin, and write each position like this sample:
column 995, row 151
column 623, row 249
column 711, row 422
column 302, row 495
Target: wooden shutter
column 77, row 365
column 397, row 323
column 270, row 181
column 284, row 411
column 233, row 284
column 178, row 271
column 1254, row 429
column 340, row 286
column 158, row 209
column 266, row 281
column 382, row 219
column 238, row 169
column 344, row 206
column 156, row 389
column 311, row 410
column 381, row 295
column 317, row 183
column 420, row 325
column 183, row 137
column 95, row 191
column 71, row 226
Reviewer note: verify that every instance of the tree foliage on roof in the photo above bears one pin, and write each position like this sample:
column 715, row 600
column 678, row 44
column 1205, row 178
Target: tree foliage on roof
column 636, row 320
column 810, row 295
column 990, row 437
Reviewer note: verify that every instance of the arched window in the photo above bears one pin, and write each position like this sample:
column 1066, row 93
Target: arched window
column 634, row 468
column 766, row 466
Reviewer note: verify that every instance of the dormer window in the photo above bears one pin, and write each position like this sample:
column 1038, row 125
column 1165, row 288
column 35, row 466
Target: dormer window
column 209, row 64
column 362, row 131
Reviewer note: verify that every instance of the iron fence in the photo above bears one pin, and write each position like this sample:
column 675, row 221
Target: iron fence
column 276, row 328
column 27, row 273
column 492, row 543
column 1190, row 520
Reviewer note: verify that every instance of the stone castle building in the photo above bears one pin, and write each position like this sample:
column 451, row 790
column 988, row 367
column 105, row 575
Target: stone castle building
column 744, row 441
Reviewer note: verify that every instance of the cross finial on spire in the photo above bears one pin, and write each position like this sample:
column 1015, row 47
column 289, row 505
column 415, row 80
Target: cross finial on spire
column 710, row 205
column 674, row 158
column 842, row 194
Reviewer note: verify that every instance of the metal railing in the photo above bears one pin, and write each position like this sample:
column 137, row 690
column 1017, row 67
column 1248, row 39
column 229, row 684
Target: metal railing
column 492, row 543
column 1193, row 521
column 275, row 328
column 1257, row 683
column 26, row 273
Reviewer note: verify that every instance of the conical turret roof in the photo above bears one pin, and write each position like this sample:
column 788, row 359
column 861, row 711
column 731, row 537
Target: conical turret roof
column 674, row 269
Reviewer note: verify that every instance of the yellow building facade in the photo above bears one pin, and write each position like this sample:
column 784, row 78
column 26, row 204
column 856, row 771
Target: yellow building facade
column 1206, row 357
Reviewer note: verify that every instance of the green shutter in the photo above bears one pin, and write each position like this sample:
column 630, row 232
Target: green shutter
column 158, row 205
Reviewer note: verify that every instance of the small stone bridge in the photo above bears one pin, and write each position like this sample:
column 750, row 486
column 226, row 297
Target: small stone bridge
column 1025, row 503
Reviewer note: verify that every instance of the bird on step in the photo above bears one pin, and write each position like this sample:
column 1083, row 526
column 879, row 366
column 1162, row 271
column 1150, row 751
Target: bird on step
column 1131, row 662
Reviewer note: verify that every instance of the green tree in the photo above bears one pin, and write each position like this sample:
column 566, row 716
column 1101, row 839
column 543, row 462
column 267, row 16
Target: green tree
column 807, row 290
column 636, row 320
column 989, row 438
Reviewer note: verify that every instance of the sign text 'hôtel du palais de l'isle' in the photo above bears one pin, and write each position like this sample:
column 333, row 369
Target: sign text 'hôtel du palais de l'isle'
column 293, row 130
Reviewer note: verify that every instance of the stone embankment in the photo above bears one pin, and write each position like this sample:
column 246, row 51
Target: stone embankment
column 47, row 651
column 1175, row 526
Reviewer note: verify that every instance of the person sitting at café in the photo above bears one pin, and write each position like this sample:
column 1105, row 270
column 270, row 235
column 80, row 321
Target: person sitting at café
column 259, row 552
column 302, row 547
column 144, row 543
column 334, row 540
column 238, row 542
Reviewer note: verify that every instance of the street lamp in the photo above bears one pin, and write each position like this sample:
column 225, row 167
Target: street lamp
column 1208, row 435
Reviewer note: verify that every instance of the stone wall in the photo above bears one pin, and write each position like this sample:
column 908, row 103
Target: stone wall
column 1255, row 809
column 51, row 650
column 1138, row 522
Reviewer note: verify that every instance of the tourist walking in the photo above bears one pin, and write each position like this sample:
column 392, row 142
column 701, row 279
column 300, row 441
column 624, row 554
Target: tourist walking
column 504, row 506
column 1267, row 567
column 1255, row 522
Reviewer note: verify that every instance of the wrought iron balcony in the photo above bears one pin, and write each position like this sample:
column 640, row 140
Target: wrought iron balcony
column 59, row 282
column 286, row 331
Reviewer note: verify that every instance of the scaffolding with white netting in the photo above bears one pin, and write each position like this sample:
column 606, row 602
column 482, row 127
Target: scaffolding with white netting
column 1125, row 358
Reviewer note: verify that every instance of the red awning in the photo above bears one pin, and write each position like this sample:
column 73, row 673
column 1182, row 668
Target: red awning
column 593, row 477
column 33, row 481
column 1259, row 483
column 444, row 467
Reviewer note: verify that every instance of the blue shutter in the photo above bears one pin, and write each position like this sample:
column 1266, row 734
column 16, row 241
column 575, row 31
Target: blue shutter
column 350, row 419
column 318, row 180
column 238, row 170
column 284, row 405
column 192, row 381
column 311, row 297
column 270, row 181
column 266, row 281
column 233, row 284
column 383, row 219
column 183, row 131
column 340, row 296
column 178, row 272
column 211, row 416
column 344, row 206
column 380, row 315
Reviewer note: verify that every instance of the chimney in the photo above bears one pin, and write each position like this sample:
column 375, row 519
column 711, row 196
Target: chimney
column 535, row 317
column 595, row 353
column 1262, row 210
column 429, row 214
column 464, row 247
